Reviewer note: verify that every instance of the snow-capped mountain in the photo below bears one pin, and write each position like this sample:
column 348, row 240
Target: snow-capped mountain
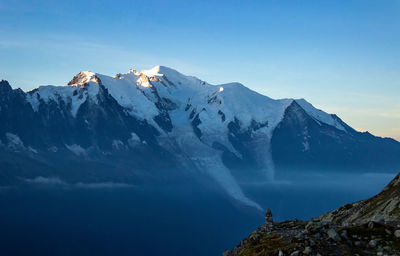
column 162, row 119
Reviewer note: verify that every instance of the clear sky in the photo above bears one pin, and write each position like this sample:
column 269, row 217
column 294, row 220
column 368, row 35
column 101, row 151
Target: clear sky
column 342, row 56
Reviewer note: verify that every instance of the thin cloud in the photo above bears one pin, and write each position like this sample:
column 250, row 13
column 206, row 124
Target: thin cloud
column 102, row 185
column 46, row 181
column 55, row 181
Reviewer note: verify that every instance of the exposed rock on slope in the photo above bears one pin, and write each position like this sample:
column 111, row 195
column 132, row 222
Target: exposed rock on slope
column 384, row 207
column 368, row 227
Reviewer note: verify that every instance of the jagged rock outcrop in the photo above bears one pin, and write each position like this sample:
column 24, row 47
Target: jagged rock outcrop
column 383, row 208
column 368, row 227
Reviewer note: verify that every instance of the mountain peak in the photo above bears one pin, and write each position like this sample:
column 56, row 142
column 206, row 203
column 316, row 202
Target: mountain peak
column 172, row 77
column 82, row 78
column 5, row 86
column 159, row 71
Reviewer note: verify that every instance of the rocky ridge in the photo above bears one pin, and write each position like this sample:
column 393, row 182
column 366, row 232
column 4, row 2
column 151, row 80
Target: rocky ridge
column 367, row 227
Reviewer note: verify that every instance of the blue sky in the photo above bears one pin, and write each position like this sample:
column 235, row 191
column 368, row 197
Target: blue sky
column 342, row 56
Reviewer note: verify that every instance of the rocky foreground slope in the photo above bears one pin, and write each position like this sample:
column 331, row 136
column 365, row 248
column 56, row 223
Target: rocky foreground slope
column 367, row 227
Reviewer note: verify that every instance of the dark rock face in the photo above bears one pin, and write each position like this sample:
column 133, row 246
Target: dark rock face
column 47, row 133
column 53, row 124
column 300, row 142
column 16, row 114
column 5, row 86
column 195, row 123
column 99, row 124
column 240, row 139
column 350, row 230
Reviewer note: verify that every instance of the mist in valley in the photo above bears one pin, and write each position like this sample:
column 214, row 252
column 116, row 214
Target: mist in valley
column 48, row 215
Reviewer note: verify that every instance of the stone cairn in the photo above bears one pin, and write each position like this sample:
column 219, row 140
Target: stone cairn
column 269, row 222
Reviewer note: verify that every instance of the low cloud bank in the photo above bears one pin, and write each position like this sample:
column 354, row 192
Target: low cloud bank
column 102, row 185
column 46, row 181
column 349, row 181
column 58, row 182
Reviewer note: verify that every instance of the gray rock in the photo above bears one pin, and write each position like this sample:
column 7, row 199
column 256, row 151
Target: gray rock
column 313, row 226
column 226, row 253
column 371, row 224
column 397, row 233
column 344, row 234
column 380, row 219
column 300, row 236
column 332, row 234
column 295, row 253
column 280, row 253
column 372, row 243
column 317, row 235
column 307, row 250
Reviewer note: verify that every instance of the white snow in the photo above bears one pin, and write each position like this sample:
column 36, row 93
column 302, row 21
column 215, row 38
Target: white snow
column 73, row 95
column 172, row 75
column 319, row 115
column 32, row 150
column 14, row 142
column 133, row 140
column 76, row 149
column 136, row 92
column 14, row 139
column 306, row 145
column 84, row 77
column 130, row 95
column 247, row 106
column 139, row 92
column 117, row 144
